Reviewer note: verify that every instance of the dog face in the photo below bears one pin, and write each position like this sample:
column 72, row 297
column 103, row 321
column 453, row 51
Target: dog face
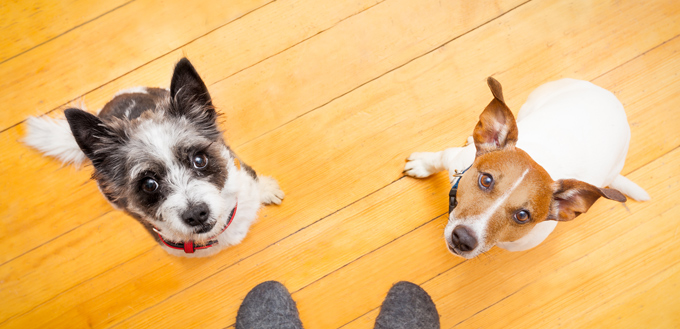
column 505, row 193
column 165, row 165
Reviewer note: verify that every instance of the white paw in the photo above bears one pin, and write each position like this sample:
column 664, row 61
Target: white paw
column 419, row 164
column 270, row 192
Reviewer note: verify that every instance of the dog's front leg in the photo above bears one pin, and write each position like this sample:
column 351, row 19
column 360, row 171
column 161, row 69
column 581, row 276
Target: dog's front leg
column 424, row 164
column 270, row 192
column 268, row 187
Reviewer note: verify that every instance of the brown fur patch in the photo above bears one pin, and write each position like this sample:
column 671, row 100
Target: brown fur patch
column 506, row 167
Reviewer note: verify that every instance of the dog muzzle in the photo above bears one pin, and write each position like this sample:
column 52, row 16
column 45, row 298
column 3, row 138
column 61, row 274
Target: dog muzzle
column 190, row 246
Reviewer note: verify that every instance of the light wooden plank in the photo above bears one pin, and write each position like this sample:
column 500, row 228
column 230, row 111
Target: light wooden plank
column 23, row 280
column 380, row 174
column 236, row 46
column 642, row 106
column 59, row 200
column 342, row 237
column 339, row 121
column 18, row 206
column 490, row 291
column 77, row 62
column 361, row 286
column 46, row 229
column 639, row 86
column 638, row 307
column 478, row 275
column 594, row 277
column 27, row 24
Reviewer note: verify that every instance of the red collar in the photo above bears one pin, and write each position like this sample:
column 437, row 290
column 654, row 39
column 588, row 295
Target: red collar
column 188, row 246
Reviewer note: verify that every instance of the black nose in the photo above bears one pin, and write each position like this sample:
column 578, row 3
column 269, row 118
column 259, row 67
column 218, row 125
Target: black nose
column 463, row 239
column 196, row 214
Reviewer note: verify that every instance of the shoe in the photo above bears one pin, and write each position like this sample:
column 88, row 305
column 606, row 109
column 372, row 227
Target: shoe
column 407, row 306
column 268, row 306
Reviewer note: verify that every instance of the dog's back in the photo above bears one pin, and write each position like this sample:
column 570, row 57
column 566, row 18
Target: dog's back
column 575, row 129
column 131, row 103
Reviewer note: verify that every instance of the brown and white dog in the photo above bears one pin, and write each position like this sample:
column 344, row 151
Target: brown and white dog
column 573, row 143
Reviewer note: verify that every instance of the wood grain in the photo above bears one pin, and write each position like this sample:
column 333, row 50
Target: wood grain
column 62, row 70
column 275, row 234
column 572, row 274
column 329, row 98
column 25, row 25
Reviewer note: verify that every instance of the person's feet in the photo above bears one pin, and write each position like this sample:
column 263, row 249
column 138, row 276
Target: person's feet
column 407, row 306
column 268, row 306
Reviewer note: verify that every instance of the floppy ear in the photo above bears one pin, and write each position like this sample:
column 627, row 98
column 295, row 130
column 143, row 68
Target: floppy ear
column 496, row 128
column 89, row 132
column 572, row 197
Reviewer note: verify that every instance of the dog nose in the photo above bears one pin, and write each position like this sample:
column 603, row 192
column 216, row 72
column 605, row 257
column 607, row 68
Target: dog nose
column 463, row 239
column 196, row 215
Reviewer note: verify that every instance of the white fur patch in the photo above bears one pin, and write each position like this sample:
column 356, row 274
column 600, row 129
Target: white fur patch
column 133, row 90
column 270, row 191
column 53, row 137
column 479, row 224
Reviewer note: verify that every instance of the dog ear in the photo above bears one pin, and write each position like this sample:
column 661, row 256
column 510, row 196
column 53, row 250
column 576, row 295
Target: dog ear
column 188, row 90
column 89, row 132
column 572, row 197
column 191, row 98
column 496, row 128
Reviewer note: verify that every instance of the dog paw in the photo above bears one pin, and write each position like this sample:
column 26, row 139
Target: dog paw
column 419, row 164
column 270, row 192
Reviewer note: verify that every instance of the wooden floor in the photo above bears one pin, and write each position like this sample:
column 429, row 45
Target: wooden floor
column 330, row 97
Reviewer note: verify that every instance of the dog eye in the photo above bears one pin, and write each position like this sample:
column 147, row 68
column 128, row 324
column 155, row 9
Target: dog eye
column 149, row 185
column 199, row 161
column 485, row 181
column 521, row 216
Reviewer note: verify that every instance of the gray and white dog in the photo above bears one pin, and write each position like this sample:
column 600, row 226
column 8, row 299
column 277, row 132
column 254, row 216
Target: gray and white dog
column 159, row 155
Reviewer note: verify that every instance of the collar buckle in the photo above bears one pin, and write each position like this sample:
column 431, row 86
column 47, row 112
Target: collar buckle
column 189, row 247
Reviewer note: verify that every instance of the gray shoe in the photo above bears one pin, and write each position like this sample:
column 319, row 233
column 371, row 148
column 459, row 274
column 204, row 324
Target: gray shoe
column 268, row 306
column 407, row 306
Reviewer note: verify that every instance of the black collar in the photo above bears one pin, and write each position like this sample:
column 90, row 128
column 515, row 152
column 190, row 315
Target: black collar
column 454, row 189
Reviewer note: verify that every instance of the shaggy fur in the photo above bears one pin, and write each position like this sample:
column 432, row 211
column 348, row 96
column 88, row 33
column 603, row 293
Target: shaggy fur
column 159, row 155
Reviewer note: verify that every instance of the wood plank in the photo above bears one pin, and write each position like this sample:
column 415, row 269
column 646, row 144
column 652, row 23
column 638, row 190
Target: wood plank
column 356, row 144
column 579, row 287
column 46, row 229
column 236, row 46
column 27, row 24
column 228, row 50
column 638, row 307
column 361, row 286
column 641, row 105
column 341, row 236
column 547, row 271
column 19, row 206
column 638, row 85
column 59, row 256
column 160, row 310
column 77, row 62
column 477, row 275
column 32, row 217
